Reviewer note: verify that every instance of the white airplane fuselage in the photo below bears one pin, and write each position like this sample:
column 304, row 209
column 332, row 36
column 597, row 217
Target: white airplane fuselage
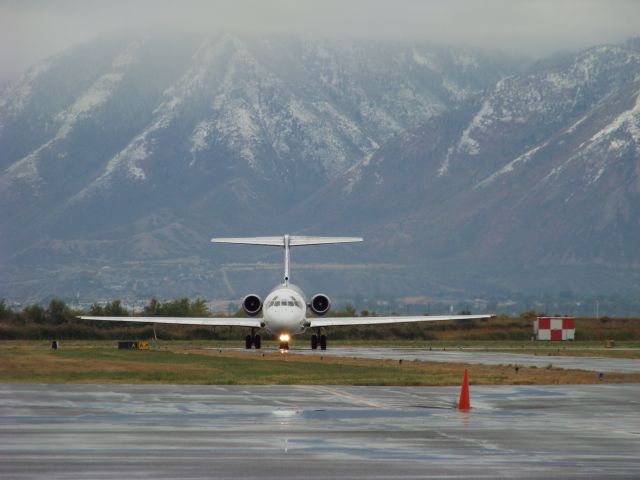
column 284, row 311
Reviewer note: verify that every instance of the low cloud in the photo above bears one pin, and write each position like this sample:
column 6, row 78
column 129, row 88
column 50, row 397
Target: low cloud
column 34, row 29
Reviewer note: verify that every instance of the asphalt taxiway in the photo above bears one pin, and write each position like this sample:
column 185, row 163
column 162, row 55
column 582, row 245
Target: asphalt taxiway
column 593, row 364
column 279, row 432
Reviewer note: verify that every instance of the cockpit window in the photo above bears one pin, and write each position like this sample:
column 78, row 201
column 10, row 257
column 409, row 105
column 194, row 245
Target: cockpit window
column 291, row 302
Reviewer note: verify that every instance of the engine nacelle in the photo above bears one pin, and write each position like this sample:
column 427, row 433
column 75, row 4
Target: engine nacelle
column 252, row 305
column 320, row 304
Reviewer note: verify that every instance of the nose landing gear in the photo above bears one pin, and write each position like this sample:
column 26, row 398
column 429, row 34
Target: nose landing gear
column 284, row 341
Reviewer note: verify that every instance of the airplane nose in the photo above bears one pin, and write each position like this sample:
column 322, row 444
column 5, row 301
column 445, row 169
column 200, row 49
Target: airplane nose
column 287, row 314
column 282, row 318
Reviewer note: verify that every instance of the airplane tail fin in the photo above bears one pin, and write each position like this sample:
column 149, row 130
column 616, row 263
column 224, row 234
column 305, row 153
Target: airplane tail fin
column 286, row 242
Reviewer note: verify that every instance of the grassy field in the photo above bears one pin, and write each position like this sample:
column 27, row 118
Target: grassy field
column 191, row 363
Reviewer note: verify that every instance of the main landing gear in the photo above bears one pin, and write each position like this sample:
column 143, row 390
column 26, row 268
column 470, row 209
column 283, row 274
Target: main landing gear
column 252, row 340
column 322, row 341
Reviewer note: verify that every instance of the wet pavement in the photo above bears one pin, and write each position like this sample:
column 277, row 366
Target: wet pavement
column 594, row 364
column 276, row 432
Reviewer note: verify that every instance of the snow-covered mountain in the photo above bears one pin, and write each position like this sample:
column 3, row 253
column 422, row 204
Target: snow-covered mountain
column 537, row 189
column 120, row 158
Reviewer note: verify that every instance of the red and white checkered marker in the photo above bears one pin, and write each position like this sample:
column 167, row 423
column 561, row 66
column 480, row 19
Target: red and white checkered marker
column 555, row 328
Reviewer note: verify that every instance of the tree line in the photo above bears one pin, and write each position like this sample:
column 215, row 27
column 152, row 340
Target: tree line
column 58, row 311
column 60, row 321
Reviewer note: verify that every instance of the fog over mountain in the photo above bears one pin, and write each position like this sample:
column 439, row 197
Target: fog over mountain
column 467, row 171
column 33, row 30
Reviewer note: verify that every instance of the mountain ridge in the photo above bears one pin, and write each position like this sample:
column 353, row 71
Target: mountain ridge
column 450, row 160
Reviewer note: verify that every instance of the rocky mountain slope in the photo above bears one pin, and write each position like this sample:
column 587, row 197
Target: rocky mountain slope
column 538, row 188
column 466, row 171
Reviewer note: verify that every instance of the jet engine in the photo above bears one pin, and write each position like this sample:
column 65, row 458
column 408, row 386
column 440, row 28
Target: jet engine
column 252, row 305
column 320, row 304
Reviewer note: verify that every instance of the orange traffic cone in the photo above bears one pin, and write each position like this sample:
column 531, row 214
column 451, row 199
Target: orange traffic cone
column 465, row 402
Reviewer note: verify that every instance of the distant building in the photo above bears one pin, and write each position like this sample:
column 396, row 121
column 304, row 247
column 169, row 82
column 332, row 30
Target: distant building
column 554, row 328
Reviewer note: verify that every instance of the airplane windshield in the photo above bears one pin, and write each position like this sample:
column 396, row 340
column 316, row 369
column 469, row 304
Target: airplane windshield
column 290, row 302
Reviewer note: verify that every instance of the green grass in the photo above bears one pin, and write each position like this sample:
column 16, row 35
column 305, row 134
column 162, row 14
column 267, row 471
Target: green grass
column 190, row 363
column 107, row 365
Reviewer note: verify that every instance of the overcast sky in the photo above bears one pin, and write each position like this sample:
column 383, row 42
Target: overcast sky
column 31, row 30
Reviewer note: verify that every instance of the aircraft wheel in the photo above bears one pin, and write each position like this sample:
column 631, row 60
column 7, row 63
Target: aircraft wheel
column 286, row 345
column 256, row 342
column 314, row 342
column 247, row 342
column 323, row 342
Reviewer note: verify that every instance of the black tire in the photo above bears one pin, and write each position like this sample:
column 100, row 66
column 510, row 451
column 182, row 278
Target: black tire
column 286, row 345
column 323, row 342
column 256, row 342
column 314, row 342
column 247, row 342
column 281, row 345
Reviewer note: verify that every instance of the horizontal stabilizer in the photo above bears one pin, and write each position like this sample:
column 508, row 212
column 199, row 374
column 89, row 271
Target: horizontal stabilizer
column 273, row 241
column 294, row 240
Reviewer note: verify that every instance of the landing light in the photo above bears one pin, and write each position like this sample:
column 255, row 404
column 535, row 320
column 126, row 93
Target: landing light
column 284, row 337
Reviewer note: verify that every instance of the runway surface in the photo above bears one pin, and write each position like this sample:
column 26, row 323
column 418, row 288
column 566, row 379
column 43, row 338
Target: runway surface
column 281, row 432
column 595, row 364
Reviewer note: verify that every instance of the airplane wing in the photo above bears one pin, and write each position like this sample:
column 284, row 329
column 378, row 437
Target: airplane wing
column 342, row 321
column 206, row 321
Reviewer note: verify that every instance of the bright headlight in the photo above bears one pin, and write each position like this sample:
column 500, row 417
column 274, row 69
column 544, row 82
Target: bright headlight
column 284, row 337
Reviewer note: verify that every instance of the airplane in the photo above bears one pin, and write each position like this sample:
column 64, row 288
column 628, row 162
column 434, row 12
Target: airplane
column 285, row 310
